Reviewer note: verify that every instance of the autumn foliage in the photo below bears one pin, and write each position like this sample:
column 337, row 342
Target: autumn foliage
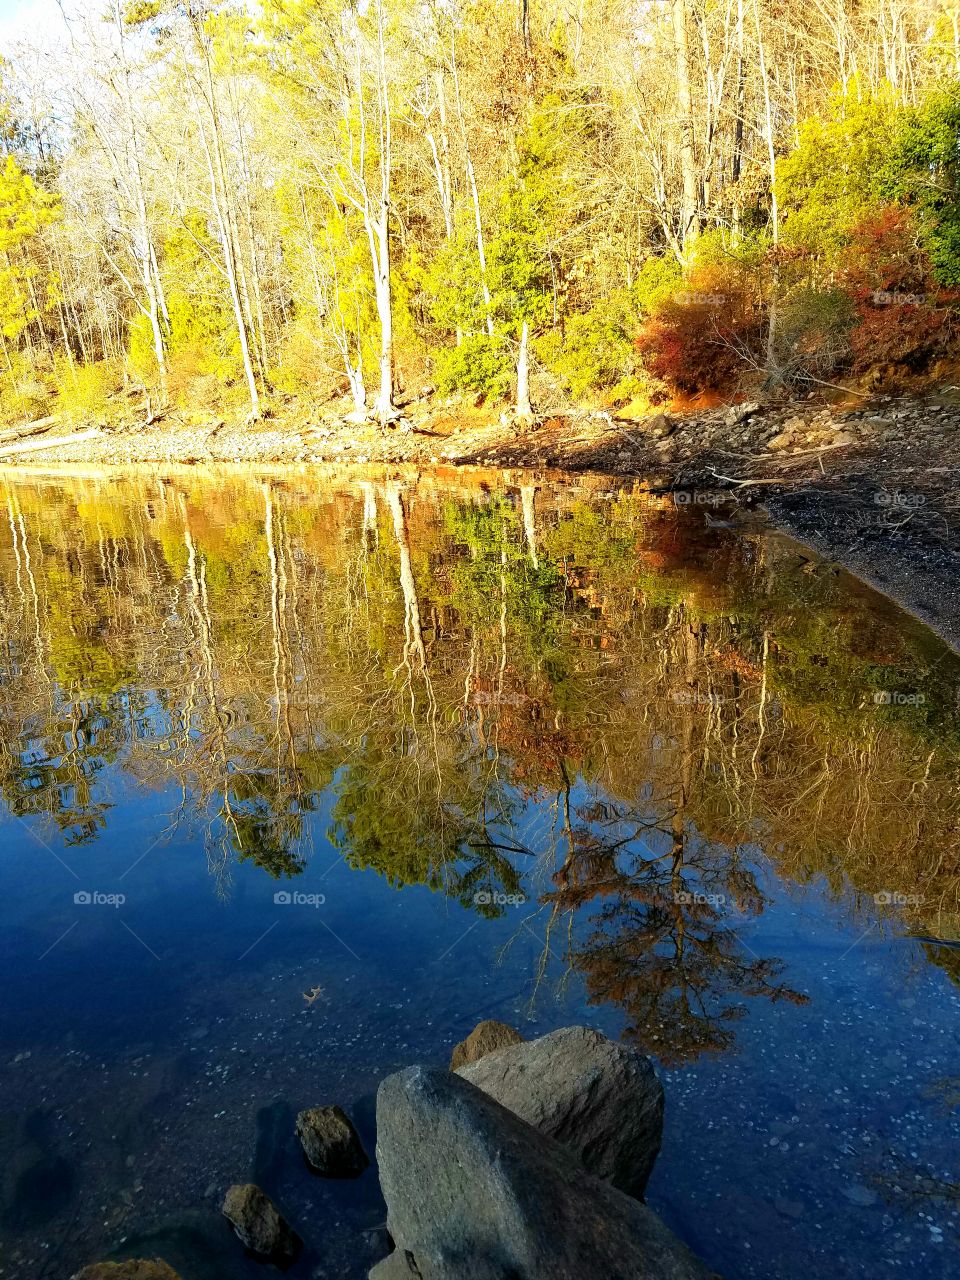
column 875, row 311
column 698, row 337
column 904, row 318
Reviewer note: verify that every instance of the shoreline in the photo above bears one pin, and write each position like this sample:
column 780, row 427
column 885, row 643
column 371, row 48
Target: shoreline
column 871, row 488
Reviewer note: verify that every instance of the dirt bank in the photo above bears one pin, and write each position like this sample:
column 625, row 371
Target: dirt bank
column 871, row 485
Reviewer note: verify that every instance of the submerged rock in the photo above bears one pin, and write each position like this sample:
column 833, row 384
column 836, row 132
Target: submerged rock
column 474, row 1193
column 486, row 1037
column 602, row 1100
column 259, row 1223
column 377, row 1243
column 331, row 1143
column 859, row 1195
column 134, row 1269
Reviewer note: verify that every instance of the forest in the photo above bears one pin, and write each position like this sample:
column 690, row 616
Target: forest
column 607, row 203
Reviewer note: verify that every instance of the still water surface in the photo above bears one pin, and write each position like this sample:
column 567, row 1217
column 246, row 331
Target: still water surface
column 303, row 776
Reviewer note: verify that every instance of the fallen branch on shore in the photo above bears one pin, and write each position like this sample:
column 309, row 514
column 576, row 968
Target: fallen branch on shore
column 742, row 484
column 28, row 429
column 49, row 442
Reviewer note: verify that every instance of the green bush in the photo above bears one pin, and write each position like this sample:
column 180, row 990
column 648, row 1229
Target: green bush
column 480, row 363
column 656, row 280
column 202, row 327
column 141, row 356
column 595, row 351
column 812, row 334
column 922, row 171
column 827, row 183
column 305, row 358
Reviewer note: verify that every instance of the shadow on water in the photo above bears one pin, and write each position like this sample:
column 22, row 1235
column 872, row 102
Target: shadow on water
column 39, row 1182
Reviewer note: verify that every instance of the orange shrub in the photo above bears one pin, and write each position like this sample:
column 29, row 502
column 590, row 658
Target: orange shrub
column 904, row 318
column 703, row 336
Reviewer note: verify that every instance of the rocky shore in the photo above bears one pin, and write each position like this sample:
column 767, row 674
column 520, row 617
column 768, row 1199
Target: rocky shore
column 526, row 1159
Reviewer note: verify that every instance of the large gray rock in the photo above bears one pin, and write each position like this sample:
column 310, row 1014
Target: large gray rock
column 331, row 1143
column 600, row 1099
column 486, row 1037
column 259, row 1223
column 474, row 1193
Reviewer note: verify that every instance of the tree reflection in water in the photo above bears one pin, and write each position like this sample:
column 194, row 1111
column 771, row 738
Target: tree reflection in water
column 586, row 698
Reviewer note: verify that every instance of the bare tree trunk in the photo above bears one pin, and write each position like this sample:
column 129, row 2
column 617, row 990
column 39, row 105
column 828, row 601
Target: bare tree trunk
column 146, row 255
column 688, row 216
column 774, row 210
column 358, row 389
column 525, row 26
column 736, row 167
column 255, row 311
column 216, row 173
column 523, row 409
column 441, row 158
column 474, row 193
column 382, row 288
column 376, row 219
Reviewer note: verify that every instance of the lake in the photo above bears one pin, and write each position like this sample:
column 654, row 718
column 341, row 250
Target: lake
column 303, row 774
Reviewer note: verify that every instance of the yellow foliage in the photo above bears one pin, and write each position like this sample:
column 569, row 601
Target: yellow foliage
column 84, row 390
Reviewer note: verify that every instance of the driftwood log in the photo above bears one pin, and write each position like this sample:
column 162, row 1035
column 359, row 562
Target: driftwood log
column 48, row 442
column 28, row 429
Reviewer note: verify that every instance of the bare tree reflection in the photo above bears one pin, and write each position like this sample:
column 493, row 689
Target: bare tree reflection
column 537, row 692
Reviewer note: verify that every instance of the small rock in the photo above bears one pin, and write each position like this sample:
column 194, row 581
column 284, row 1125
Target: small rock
column 377, row 1243
column 134, row 1269
column 661, row 426
column 783, row 440
column 259, row 1224
column 861, row 1196
column 789, row 1208
column 331, row 1143
column 738, row 413
column 486, row 1037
